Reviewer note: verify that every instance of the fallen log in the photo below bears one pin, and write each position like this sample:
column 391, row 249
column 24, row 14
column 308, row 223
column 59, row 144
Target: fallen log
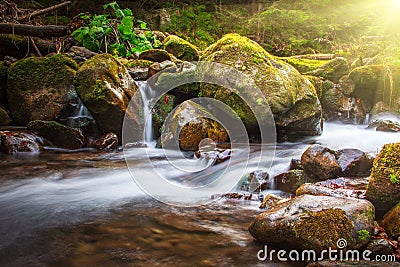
column 44, row 11
column 34, row 31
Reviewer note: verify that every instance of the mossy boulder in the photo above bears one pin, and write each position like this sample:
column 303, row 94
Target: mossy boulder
column 291, row 97
column 105, row 87
column 190, row 123
column 332, row 70
column 391, row 222
column 374, row 83
column 181, row 48
column 321, row 85
column 155, row 55
column 384, row 185
column 38, row 88
column 304, row 65
column 4, row 117
column 315, row 222
column 58, row 134
column 3, row 84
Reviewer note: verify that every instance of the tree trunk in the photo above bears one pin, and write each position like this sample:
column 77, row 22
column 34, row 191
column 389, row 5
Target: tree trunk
column 34, row 31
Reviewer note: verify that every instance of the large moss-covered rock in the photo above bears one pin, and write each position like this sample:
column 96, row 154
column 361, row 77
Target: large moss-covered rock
column 38, row 88
column 291, row 97
column 374, row 83
column 304, row 65
column 384, row 185
column 4, row 117
column 190, row 123
column 332, row 70
column 3, row 83
column 105, row 87
column 181, row 48
column 391, row 222
column 59, row 135
column 315, row 222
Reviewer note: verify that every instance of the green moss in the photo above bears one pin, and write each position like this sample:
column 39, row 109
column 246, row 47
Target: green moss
column 363, row 235
column 325, row 227
column 304, row 65
column 45, row 71
column 367, row 76
column 333, row 70
column 138, row 63
column 384, row 187
column 181, row 48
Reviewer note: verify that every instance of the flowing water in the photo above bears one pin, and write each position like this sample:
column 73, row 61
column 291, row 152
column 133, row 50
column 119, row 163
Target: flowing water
column 83, row 208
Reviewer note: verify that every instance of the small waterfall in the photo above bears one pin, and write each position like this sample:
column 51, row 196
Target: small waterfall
column 81, row 116
column 147, row 94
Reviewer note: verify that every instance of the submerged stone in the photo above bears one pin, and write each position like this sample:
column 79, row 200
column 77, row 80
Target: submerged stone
column 19, row 142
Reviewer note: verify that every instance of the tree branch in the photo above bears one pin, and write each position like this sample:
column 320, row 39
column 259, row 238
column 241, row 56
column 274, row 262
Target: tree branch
column 44, row 11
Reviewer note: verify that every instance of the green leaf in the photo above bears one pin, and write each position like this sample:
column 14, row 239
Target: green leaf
column 126, row 25
column 143, row 25
column 127, row 12
column 113, row 5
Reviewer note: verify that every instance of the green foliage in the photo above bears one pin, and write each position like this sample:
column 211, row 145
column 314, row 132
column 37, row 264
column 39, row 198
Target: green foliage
column 363, row 235
column 196, row 25
column 116, row 34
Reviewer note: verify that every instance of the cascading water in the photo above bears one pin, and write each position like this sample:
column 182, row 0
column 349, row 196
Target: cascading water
column 81, row 116
column 148, row 95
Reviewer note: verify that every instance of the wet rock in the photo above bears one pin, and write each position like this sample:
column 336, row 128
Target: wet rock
column 372, row 84
column 80, row 54
column 291, row 180
column 321, row 85
column 291, row 97
column 379, row 246
column 340, row 187
column 181, row 48
column 391, row 222
column 385, row 126
column 315, row 222
column 346, row 85
column 256, row 181
column 105, row 88
column 190, row 123
column 155, row 55
column 156, row 67
column 295, row 164
column 37, row 87
column 271, row 200
column 384, row 184
column 107, row 141
column 353, row 162
column 138, row 69
column 5, row 118
column 17, row 142
column 332, row 70
column 57, row 134
column 337, row 106
column 321, row 162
